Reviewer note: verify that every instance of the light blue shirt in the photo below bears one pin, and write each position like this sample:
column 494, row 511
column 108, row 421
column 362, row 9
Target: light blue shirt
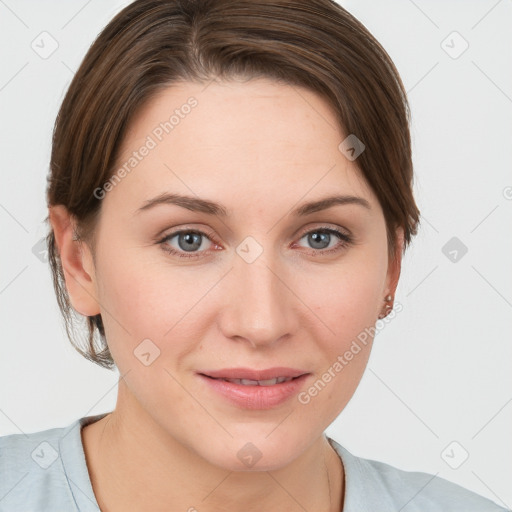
column 47, row 471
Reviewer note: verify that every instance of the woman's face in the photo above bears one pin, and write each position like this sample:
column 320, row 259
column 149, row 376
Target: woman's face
column 257, row 288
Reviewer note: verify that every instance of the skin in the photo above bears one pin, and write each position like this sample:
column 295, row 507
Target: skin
column 261, row 149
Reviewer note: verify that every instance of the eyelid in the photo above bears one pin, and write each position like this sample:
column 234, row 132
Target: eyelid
column 325, row 226
column 186, row 229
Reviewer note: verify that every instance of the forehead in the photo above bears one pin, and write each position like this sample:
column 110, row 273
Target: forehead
column 258, row 139
column 252, row 113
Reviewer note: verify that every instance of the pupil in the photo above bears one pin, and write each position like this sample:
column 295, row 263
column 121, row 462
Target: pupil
column 320, row 238
column 193, row 241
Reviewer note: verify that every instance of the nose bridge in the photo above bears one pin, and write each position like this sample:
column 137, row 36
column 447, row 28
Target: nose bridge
column 258, row 307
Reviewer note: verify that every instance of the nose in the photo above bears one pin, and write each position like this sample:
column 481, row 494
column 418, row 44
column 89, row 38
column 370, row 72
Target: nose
column 259, row 305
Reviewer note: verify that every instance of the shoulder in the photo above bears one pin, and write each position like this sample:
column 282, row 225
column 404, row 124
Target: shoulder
column 28, row 462
column 38, row 470
column 370, row 483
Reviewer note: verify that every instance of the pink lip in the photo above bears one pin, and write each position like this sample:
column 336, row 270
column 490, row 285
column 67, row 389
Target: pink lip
column 256, row 397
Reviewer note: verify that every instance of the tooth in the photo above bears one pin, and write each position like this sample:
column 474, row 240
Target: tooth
column 268, row 382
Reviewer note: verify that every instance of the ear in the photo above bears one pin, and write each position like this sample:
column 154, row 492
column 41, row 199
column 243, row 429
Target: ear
column 395, row 265
column 77, row 263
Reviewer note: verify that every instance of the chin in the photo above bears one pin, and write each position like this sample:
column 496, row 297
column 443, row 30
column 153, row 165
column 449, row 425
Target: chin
column 255, row 452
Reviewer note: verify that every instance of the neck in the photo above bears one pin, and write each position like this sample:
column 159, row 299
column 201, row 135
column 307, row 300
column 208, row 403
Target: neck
column 135, row 465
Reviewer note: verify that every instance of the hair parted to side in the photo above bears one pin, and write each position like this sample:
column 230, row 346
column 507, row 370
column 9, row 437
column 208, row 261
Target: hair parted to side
column 151, row 44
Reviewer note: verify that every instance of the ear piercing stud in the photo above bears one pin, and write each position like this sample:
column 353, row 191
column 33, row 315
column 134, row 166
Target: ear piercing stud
column 388, row 298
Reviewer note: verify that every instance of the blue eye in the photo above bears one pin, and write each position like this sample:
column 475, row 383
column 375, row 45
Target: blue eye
column 190, row 241
column 319, row 237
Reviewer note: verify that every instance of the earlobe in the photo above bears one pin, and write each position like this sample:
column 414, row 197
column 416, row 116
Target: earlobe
column 77, row 263
column 393, row 275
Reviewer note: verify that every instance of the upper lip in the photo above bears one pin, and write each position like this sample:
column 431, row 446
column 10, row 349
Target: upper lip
column 250, row 374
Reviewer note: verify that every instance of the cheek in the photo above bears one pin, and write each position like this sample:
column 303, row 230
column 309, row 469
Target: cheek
column 344, row 296
column 142, row 298
column 136, row 303
column 344, row 301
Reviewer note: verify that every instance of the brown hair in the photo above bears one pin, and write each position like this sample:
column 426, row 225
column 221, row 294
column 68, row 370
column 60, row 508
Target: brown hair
column 152, row 43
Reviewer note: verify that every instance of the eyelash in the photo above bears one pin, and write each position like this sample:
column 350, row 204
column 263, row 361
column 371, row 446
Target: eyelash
column 345, row 241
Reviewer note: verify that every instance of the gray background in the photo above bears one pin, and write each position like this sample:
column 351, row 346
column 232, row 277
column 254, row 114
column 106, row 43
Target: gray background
column 440, row 372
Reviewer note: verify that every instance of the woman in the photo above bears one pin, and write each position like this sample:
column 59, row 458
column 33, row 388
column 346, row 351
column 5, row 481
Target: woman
column 229, row 201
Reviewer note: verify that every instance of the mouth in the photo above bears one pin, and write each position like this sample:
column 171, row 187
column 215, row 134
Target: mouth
column 249, row 382
column 251, row 377
column 255, row 389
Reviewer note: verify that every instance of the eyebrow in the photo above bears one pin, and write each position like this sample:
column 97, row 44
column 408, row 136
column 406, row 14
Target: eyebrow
column 196, row 204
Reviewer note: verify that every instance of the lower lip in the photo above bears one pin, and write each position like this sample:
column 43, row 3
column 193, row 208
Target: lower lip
column 256, row 397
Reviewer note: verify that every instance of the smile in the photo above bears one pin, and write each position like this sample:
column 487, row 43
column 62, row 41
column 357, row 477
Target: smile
column 267, row 382
column 255, row 394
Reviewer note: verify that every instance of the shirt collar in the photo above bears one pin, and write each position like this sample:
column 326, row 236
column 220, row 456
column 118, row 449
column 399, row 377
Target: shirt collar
column 359, row 486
